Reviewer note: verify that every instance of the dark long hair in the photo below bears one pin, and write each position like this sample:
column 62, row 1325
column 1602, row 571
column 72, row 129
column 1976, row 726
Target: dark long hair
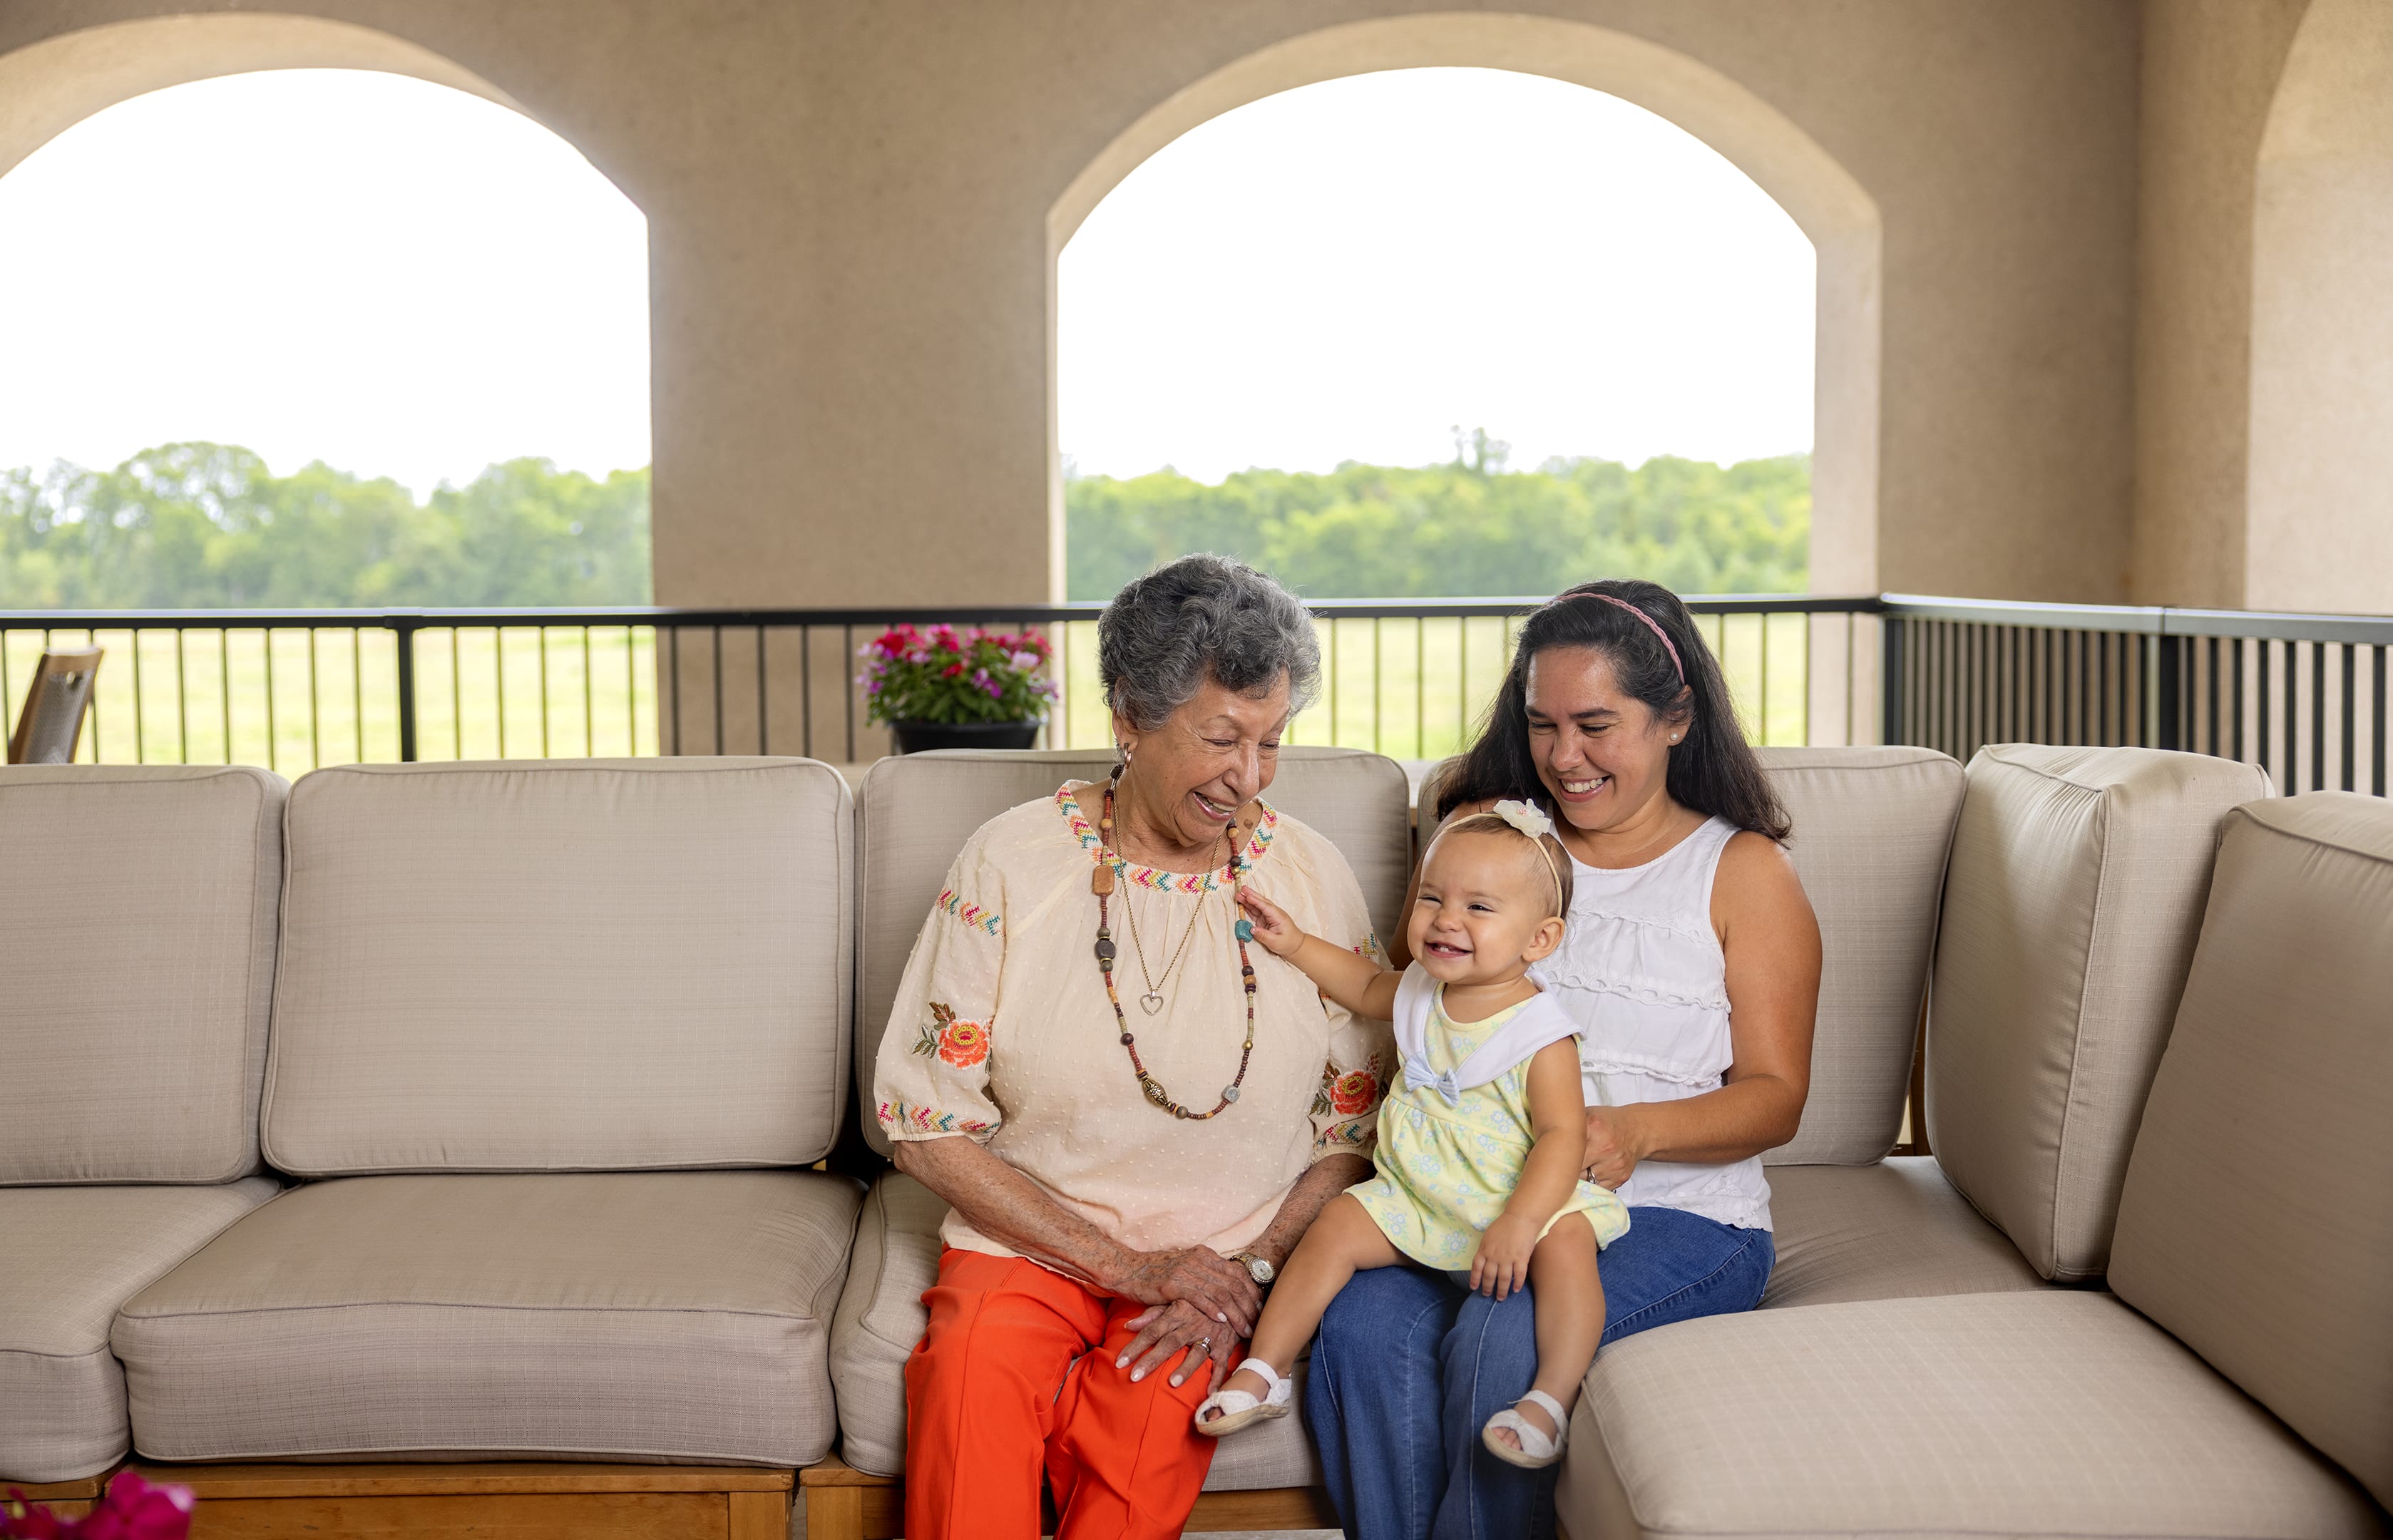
column 1713, row 770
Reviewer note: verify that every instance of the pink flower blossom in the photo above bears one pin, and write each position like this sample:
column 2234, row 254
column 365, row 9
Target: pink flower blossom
column 130, row 1509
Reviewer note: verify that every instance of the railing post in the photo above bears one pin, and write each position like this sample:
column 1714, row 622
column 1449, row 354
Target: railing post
column 2168, row 670
column 1889, row 673
column 403, row 630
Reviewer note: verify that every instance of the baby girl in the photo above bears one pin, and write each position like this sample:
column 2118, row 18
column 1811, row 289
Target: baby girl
column 1480, row 1148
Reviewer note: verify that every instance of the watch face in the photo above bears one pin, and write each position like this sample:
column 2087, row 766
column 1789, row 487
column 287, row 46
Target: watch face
column 1258, row 1270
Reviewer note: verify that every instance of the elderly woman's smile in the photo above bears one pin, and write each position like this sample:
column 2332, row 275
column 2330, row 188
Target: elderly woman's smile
column 1188, row 778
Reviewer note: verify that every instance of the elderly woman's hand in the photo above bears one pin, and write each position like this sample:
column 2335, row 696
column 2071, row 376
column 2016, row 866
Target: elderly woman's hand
column 1165, row 1331
column 1217, row 1287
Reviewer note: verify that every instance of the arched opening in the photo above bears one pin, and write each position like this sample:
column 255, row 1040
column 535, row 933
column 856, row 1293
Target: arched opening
column 1826, row 202
column 303, row 314
column 2319, row 534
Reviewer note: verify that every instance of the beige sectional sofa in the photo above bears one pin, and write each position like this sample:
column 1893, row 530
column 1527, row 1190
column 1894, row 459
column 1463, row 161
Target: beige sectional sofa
column 554, row 1046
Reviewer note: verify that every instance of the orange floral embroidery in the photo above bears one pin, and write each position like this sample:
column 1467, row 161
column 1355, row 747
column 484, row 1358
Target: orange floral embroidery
column 1352, row 1092
column 959, row 1042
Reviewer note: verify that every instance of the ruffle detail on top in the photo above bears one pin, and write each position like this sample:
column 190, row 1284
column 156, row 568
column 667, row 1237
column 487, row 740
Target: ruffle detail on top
column 1614, row 1063
column 1643, row 994
column 1702, row 935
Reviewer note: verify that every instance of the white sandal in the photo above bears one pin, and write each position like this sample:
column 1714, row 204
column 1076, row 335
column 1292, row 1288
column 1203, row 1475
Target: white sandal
column 1537, row 1450
column 1241, row 1408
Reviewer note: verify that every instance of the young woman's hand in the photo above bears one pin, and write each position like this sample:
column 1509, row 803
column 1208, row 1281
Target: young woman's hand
column 1502, row 1263
column 1614, row 1145
column 1270, row 924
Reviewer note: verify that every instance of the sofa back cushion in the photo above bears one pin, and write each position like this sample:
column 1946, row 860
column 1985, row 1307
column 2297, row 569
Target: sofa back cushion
column 2257, row 1219
column 584, row 965
column 2076, row 888
column 139, row 963
column 919, row 809
column 1872, row 827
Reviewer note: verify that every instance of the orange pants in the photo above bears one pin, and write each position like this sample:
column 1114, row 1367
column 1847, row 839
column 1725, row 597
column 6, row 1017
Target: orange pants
column 1015, row 1378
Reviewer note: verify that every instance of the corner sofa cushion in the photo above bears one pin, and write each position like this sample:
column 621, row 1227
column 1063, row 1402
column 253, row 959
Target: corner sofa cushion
column 679, row 1315
column 72, row 1255
column 2076, row 889
column 880, row 1317
column 1872, row 827
column 140, row 964
column 1893, row 1231
column 2257, row 1219
column 917, row 811
column 2056, row 1413
column 592, row 965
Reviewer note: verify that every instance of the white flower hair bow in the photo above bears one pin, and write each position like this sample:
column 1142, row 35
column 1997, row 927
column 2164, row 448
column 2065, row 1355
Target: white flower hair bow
column 1528, row 818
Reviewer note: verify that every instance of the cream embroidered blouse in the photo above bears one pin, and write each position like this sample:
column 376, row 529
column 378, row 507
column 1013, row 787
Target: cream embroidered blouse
column 1002, row 1032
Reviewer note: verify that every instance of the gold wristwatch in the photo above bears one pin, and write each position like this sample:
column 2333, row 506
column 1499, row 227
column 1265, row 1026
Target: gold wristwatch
column 1262, row 1272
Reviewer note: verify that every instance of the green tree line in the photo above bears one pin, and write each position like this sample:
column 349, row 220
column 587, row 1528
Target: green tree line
column 206, row 526
column 1467, row 528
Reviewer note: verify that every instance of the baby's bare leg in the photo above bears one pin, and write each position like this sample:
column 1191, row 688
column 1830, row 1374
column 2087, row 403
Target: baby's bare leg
column 1343, row 1240
column 1569, row 1292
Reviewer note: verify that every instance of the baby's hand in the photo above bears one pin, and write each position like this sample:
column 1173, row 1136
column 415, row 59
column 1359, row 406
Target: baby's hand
column 1502, row 1264
column 1270, row 923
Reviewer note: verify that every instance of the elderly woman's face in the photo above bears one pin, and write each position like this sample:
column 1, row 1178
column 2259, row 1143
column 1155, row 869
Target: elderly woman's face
column 1212, row 756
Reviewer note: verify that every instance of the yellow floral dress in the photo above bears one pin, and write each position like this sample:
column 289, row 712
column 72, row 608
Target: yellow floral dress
column 1449, row 1155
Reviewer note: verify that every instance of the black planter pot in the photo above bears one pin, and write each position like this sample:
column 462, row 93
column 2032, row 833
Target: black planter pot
column 915, row 737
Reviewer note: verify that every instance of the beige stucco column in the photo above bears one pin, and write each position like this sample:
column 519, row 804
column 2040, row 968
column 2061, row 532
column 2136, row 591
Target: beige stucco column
column 2320, row 534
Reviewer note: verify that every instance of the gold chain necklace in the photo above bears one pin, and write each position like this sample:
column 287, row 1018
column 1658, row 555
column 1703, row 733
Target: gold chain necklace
column 1152, row 1001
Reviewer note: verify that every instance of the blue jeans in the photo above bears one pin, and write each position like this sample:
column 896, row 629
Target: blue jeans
column 1409, row 1366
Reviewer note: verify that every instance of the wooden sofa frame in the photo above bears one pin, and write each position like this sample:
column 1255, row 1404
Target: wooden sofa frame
column 846, row 1504
column 570, row 1500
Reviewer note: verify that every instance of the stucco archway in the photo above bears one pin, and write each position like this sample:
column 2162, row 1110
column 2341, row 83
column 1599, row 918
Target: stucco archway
column 1825, row 200
column 2319, row 531
column 49, row 86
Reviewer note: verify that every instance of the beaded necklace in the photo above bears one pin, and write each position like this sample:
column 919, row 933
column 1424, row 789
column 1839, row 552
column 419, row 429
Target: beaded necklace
column 1101, row 882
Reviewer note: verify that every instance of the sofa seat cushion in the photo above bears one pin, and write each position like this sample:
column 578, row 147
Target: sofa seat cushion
column 676, row 1315
column 2055, row 1412
column 1893, row 1231
column 72, row 1256
column 880, row 1317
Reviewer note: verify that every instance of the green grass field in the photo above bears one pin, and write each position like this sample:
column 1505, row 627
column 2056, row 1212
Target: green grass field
column 295, row 699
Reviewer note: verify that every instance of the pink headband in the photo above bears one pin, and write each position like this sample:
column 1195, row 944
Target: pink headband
column 1653, row 625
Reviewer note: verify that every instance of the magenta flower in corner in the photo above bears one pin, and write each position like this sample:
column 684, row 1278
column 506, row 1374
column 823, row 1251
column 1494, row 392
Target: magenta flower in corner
column 130, row 1508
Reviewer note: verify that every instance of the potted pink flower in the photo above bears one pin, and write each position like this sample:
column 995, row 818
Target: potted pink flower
column 129, row 1509
column 946, row 688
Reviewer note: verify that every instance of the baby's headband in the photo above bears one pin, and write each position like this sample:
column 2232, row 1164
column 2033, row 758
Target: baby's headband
column 1651, row 624
column 1532, row 821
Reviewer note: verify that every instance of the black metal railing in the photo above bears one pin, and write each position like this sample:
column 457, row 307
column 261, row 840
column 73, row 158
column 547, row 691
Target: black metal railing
column 2300, row 696
column 2303, row 696
column 301, row 689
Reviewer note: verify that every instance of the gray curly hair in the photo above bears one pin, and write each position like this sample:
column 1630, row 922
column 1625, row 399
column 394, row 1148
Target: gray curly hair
column 1203, row 617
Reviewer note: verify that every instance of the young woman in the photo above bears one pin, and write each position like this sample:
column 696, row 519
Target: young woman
column 1692, row 963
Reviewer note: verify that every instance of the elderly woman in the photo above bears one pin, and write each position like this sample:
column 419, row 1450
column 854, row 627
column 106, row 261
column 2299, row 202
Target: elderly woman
column 1133, row 1110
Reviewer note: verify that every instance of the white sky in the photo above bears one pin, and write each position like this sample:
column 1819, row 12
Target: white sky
column 1352, row 269
column 390, row 276
column 403, row 280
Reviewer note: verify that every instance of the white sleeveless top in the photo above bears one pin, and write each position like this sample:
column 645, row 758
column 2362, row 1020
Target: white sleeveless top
column 1641, row 972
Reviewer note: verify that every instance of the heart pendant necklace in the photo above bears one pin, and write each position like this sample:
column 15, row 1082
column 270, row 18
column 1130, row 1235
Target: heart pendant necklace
column 1152, row 1001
